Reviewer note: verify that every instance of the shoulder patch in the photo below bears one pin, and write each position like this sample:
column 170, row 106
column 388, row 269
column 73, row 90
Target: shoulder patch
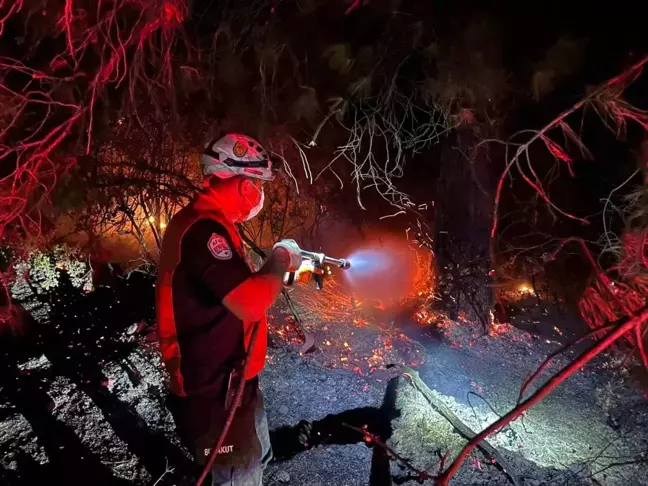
column 219, row 247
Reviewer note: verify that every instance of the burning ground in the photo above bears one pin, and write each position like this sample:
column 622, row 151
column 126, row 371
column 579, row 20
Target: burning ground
column 589, row 431
column 104, row 421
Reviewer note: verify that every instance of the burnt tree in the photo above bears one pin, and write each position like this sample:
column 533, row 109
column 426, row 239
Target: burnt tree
column 464, row 210
column 471, row 70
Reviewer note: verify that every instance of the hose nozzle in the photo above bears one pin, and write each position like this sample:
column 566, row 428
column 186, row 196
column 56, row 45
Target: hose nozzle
column 320, row 259
column 338, row 262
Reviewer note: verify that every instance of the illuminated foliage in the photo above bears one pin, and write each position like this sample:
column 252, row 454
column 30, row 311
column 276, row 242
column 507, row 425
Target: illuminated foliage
column 38, row 274
column 128, row 188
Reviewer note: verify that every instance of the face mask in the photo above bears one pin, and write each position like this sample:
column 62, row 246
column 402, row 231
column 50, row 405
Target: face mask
column 256, row 209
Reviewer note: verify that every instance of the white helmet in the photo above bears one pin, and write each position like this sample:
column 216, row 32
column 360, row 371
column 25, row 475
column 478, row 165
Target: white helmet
column 236, row 155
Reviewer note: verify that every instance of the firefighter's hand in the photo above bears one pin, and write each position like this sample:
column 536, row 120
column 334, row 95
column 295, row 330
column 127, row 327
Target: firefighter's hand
column 288, row 251
column 304, row 434
column 305, row 269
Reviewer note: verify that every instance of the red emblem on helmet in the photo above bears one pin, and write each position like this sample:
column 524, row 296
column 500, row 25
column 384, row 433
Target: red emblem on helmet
column 239, row 149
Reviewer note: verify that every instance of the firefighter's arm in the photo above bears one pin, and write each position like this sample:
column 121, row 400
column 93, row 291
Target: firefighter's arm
column 209, row 255
column 251, row 299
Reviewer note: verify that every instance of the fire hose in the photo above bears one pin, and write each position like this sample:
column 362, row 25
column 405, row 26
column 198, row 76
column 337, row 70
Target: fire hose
column 235, row 404
column 317, row 260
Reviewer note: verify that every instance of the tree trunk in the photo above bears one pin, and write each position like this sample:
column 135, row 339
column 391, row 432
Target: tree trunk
column 464, row 208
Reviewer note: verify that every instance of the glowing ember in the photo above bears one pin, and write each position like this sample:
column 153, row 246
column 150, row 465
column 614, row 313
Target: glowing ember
column 525, row 289
column 425, row 316
column 360, row 322
column 353, row 334
column 344, row 339
column 331, row 304
column 498, row 328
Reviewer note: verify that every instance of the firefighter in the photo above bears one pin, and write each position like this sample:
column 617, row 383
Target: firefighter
column 208, row 300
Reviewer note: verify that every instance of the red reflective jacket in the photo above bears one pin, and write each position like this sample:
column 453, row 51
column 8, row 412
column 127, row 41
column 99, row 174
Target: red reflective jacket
column 193, row 323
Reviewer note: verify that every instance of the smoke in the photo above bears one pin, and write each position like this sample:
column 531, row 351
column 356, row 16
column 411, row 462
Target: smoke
column 383, row 264
column 381, row 271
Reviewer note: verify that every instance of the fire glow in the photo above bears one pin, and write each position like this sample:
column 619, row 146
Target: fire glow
column 361, row 334
column 353, row 333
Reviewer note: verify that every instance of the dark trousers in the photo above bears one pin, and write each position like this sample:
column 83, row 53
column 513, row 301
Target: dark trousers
column 253, row 474
column 246, row 449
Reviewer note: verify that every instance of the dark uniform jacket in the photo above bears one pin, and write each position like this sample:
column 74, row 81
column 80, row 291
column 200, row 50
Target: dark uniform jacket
column 201, row 342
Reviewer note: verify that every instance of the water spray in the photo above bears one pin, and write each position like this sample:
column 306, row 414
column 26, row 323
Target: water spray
column 367, row 262
column 382, row 272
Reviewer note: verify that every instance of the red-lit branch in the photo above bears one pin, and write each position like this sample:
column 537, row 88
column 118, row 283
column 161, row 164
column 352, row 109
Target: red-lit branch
column 608, row 299
column 107, row 44
column 373, row 439
column 544, row 390
column 606, row 100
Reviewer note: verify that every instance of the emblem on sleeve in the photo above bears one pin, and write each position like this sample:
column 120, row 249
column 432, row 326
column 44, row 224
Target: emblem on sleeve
column 219, row 247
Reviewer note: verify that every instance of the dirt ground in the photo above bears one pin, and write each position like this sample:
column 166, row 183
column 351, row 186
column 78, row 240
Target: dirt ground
column 591, row 430
column 111, row 427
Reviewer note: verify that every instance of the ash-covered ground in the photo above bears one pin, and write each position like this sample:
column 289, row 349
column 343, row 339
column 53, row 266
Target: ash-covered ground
column 70, row 412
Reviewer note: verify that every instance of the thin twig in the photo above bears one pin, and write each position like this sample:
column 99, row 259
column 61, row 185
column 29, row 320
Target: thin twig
column 374, row 439
column 168, row 470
